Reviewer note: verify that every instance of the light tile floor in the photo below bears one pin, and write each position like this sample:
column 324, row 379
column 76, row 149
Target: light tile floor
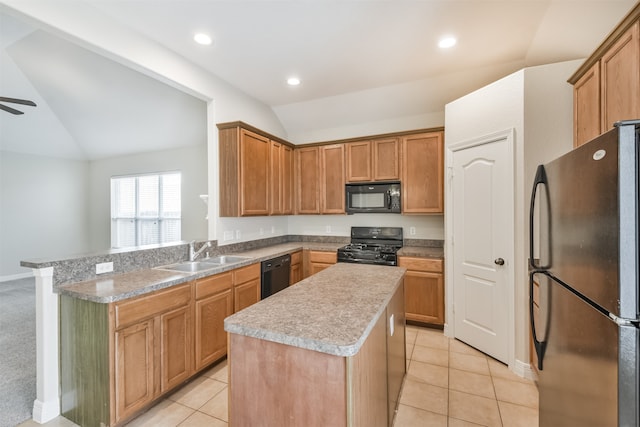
column 448, row 384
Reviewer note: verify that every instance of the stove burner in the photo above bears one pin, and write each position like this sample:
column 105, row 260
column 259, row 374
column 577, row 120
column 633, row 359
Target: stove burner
column 371, row 245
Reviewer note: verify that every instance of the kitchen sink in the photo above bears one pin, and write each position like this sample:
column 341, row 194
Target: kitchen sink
column 226, row 259
column 191, row 266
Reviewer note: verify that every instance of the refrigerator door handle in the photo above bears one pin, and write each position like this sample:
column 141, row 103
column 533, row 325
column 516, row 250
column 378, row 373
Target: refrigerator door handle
column 540, row 179
column 540, row 346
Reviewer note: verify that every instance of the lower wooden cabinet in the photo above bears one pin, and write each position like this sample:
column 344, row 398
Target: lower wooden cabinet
column 295, row 272
column 134, row 366
column 214, row 302
column 318, row 260
column 424, row 289
column 153, row 350
column 246, row 286
column 118, row 358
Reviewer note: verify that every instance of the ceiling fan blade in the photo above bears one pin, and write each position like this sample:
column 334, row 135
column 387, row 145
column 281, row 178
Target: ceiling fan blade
column 10, row 110
column 17, row 101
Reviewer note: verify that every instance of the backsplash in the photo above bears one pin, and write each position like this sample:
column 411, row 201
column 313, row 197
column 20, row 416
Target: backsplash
column 83, row 267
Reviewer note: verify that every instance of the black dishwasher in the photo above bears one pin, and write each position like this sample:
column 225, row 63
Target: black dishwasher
column 275, row 275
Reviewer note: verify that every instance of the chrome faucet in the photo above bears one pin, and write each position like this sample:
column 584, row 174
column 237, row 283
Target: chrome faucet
column 193, row 254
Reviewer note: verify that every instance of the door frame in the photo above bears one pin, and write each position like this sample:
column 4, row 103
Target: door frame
column 507, row 135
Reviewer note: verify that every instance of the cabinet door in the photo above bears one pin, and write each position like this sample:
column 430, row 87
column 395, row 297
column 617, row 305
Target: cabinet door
column 211, row 338
column 319, row 260
column 275, row 178
column 422, row 173
column 287, row 179
column 246, row 294
column 295, row 274
column 175, row 349
column 586, row 107
column 134, row 365
column 386, row 159
column 358, row 161
column 308, row 180
column 424, row 297
column 332, row 179
column 621, row 80
column 254, row 173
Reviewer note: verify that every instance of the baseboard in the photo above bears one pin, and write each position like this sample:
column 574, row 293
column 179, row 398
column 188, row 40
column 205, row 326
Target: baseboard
column 16, row 276
column 525, row 370
column 45, row 411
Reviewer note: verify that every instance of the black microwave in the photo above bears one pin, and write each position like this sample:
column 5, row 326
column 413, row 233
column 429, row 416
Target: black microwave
column 373, row 197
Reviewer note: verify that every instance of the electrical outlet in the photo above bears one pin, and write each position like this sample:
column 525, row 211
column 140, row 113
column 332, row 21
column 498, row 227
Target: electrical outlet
column 261, row 231
column 104, row 267
column 273, row 229
column 228, row 235
column 328, row 229
column 412, row 231
column 238, row 235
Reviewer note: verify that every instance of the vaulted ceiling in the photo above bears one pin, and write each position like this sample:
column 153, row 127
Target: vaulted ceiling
column 348, row 54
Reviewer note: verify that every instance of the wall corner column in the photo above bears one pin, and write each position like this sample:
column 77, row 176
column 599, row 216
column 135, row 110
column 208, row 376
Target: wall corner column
column 47, row 404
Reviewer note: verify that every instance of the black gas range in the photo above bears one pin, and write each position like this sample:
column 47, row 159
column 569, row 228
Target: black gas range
column 372, row 245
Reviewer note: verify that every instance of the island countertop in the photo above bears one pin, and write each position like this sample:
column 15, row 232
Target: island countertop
column 332, row 311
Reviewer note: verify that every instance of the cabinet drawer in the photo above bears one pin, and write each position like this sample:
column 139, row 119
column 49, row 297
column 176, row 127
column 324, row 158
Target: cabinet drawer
column 421, row 264
column 245, row 274
column 296, row 257
column 213, row 284
column 131, row 311
column 325, row 257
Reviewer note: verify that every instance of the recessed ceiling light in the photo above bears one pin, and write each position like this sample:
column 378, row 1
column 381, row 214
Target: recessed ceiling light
column 202, row 38
column 293, row 81
column 447, row 42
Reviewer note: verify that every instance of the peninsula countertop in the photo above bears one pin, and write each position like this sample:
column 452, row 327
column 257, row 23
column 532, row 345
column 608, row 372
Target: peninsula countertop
column 117, row 287
column 332, row 311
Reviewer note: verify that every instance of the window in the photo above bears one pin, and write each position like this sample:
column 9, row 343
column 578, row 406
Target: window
column 145, row 209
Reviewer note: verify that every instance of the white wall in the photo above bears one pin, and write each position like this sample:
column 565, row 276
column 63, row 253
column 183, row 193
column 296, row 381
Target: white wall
column 190, row 161
column 43, row 209
column 537, row 103
column 93, row 30
column 426, row 226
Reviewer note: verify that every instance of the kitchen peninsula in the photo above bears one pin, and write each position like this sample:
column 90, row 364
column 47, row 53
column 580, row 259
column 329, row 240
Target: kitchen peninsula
column 328, row 351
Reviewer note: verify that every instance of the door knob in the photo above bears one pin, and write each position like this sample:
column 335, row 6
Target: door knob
column 499, row 261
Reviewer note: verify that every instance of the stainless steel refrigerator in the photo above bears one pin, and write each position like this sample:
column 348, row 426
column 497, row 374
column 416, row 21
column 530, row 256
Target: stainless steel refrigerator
column 584, row 259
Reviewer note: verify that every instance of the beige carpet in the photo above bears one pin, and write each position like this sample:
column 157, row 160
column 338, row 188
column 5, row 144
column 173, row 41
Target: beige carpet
column 17, row 351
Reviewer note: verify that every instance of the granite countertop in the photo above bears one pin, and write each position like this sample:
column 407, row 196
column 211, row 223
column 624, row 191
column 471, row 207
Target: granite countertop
column 332, row 311
column 122, row 286
column 118, row 287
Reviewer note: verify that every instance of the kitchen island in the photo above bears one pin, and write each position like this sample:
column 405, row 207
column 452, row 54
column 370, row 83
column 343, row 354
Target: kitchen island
column 328, row 351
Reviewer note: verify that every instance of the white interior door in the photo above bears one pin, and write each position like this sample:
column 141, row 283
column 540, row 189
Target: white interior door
column 483, row 207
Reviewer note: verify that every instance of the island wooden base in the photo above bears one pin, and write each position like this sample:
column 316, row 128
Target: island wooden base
column 273, row 384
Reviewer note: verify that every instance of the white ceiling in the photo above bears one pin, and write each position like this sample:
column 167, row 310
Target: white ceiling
column 349, row 54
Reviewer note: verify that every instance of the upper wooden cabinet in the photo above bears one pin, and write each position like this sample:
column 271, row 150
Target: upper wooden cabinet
column 320, row 179
column 607, row 86
column 332, row 179
column 307, row 180
column 423, row 173
column 287, row 179
column 263, row 175
column 586, row 106
column 375, row 160
column 254, row 179
column 620, row 80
